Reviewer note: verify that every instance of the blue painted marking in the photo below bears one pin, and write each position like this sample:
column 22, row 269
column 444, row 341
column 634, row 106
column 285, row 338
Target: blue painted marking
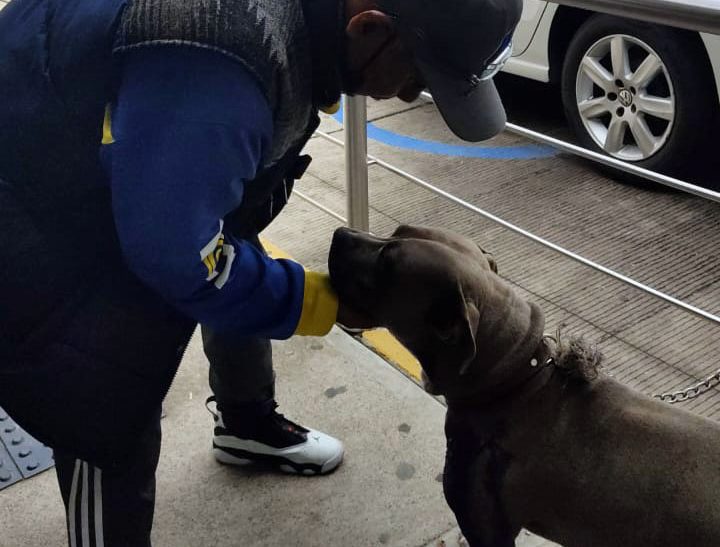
column 456, row 150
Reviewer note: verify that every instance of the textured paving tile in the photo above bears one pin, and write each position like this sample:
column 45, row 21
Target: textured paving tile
column 21, row 456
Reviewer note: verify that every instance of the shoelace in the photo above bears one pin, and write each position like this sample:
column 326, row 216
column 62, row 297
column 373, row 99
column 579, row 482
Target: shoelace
column 277, row 417
column 287, row 425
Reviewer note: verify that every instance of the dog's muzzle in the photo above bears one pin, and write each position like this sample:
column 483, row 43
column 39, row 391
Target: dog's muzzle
column 352, row 256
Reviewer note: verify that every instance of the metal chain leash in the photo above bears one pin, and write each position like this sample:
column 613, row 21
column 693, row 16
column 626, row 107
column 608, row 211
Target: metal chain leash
column 691, row 392
column 670, row 397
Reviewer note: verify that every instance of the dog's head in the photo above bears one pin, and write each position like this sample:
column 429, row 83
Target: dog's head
column 436, row 291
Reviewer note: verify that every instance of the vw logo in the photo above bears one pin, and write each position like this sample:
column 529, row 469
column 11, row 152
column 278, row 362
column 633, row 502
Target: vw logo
column 626, row 97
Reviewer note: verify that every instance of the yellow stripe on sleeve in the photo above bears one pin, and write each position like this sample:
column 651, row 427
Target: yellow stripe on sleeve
column 107, row 137
column 331, row 109
column 320, row 306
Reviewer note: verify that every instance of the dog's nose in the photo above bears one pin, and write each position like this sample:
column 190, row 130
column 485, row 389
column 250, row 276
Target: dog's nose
column 344, row 237
column 340, row 238
column 345, row 232
column 349, row 247
column 338, row 248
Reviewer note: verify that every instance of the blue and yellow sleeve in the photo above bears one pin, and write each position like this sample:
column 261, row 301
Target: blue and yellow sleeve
column 189, row 128
column 320, row 306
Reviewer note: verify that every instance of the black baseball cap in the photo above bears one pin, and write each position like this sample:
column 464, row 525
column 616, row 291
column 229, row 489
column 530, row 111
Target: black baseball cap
column 458, row 46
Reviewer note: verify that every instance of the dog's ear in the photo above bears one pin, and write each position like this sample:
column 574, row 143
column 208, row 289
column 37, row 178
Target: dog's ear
column 490, row 258
column 404, row 231
column 455, row 321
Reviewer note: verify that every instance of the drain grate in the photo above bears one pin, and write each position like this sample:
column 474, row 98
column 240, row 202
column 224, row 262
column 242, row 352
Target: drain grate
column 21, row 456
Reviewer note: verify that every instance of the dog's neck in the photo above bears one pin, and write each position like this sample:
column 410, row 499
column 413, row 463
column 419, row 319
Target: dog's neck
column 521, row 381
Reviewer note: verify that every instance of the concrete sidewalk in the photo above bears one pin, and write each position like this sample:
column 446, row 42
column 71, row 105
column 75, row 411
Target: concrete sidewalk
column 387, row 492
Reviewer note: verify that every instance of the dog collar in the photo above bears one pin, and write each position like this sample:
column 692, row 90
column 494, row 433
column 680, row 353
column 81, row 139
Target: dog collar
column 550, row 342
column 543, row 358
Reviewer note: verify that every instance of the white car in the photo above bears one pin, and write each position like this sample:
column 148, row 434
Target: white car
column 637, row 91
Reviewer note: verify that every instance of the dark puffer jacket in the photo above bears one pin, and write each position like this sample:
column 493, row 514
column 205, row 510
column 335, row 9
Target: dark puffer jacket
column 86, row 351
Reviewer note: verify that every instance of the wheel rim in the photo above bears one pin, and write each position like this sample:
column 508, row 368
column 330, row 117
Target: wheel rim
column 625, row 97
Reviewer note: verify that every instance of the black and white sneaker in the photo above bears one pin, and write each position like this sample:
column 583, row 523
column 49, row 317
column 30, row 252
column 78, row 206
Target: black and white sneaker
column 273, row 439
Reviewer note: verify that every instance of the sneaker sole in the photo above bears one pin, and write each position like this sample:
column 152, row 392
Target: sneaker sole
column 229, row 459
column 233, row 456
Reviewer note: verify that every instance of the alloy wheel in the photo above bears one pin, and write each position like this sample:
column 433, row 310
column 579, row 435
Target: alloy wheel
column 625, row 97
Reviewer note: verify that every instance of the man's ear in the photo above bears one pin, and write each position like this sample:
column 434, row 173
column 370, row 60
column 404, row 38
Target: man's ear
column 455, row 322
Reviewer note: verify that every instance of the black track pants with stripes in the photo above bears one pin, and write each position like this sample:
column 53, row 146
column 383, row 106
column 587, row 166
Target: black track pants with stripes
column 111, row 509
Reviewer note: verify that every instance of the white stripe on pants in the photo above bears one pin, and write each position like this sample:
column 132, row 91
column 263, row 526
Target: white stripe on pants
column 97, row 498
column 71, row 505
column 85, row 529
column 82, row 473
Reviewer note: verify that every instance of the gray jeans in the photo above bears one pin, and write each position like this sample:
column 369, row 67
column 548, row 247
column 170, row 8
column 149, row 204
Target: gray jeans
column 241, row 369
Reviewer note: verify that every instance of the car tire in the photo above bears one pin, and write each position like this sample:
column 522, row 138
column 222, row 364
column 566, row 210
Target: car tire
column 660, row 105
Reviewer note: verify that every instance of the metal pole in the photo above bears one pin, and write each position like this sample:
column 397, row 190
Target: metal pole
column 612, row 162
column 356, row 169
column 320, row 206
column 700, row 15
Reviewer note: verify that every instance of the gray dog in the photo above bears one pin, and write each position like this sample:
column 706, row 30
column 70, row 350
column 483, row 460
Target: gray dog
column 536, row 437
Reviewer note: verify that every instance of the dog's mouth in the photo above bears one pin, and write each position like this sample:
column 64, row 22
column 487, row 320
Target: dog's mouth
column 352, row 313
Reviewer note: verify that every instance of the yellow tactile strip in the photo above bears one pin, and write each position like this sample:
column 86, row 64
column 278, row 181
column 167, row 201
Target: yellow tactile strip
column 380, row 340
column 392, row 351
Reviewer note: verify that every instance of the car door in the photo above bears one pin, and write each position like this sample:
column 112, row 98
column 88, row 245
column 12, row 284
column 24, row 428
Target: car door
column 532, row 13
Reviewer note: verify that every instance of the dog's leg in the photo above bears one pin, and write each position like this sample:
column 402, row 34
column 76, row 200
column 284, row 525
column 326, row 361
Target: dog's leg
column 471, row 483
column 479, row 531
